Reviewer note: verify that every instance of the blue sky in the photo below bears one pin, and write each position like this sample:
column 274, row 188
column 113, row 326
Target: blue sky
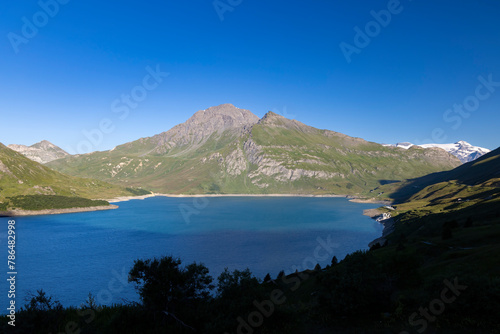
column 283, row 56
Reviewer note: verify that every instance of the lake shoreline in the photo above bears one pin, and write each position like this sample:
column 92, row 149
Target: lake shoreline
column 389, row 225
column 349, row 197
column 23, row 213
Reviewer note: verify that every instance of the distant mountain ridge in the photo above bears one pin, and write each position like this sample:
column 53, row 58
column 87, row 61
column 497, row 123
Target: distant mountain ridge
column 22, row 176
column 41, row 152
column 464, row 151
column 481, row 173
column 225, row 149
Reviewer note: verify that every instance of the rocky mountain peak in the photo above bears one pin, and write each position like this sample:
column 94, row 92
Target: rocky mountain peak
column 271, row 114
column 271, row 118
column 275, row 120
column 224, row 118
column 41, row 152
column 47, row 145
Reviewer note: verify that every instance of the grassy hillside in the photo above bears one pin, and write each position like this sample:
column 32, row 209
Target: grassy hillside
column 22, row 176
column 467, row 196
column 475, row 177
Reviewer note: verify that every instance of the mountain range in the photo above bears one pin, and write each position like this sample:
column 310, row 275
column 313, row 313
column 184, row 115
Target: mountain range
column 464, row 151
column 20, row 176
column 225, row 149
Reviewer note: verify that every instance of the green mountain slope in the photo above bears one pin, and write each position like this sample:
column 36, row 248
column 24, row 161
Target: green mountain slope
column 465, row 196
column 483, row 172
column 225, row 149
column 22, row 176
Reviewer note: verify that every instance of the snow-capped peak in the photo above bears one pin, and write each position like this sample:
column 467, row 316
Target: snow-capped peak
column 464, row 151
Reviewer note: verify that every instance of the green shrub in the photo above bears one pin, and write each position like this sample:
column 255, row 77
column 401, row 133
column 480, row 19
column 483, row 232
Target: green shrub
column 43, row 202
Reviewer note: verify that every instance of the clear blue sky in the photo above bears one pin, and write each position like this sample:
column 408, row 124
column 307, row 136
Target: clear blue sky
column 283, row 56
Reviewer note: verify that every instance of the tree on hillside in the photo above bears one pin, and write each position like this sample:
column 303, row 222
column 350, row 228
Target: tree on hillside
column 236, row 293
column 232, row 284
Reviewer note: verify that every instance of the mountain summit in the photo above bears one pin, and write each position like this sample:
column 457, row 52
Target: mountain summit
column 206, row 122
column 221, row 123
column 462, row 150
column 41, row 152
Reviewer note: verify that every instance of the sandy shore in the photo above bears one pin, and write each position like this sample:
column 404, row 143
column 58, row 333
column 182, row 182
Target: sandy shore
column 370, row 201
column 17, row 213
column 128, row 198
column 372, row 213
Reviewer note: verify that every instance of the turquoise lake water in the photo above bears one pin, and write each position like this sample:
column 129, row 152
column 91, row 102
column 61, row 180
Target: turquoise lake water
column 70, row 255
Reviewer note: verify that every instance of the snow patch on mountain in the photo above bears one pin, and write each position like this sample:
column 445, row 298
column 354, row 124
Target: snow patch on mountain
column 464, row 151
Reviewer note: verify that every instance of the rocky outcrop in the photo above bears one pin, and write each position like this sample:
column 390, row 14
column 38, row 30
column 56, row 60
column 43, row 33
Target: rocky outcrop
column 236, row 162
column 41, row 152
column 41, row 190
column 270, row 167
column 5, row 169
